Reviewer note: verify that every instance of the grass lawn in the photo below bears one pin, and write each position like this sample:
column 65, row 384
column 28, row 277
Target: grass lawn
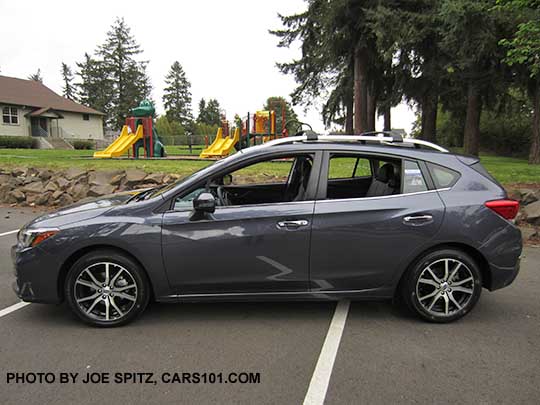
column 506, row 170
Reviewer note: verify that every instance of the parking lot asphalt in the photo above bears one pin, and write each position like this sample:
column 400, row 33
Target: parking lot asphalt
column 384, row 356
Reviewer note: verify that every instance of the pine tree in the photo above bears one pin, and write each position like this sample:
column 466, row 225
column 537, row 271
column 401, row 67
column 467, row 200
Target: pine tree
column 94, row 89
column 68, row 89
column 36, row 76
column 202, row 111
column 177, row 96
column 209, row 113
column 130, row 83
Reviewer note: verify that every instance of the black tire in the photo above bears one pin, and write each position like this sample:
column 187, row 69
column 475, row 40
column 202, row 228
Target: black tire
column 79, row 282
column 435, row 298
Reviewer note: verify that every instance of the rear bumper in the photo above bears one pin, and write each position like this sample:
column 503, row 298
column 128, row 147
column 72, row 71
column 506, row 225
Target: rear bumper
column 502, row 277
column 36, row 275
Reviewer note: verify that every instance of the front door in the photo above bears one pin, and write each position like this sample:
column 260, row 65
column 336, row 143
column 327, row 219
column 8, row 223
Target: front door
column 256, row 242
column 39, row 126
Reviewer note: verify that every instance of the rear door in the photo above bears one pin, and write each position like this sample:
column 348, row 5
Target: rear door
column 362, row 243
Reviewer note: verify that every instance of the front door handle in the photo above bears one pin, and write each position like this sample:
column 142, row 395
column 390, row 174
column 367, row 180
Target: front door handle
column 417, row 219
column 292, row 224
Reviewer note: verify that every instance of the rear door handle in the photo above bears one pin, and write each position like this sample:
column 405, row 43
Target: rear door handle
column 292, row 224
column 417, row 219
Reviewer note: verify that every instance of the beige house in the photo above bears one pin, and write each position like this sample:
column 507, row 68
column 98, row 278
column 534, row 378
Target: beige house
column 30, row 108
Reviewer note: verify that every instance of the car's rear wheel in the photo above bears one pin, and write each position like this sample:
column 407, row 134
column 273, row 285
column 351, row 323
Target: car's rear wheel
column 442, row 286
column 105, row 288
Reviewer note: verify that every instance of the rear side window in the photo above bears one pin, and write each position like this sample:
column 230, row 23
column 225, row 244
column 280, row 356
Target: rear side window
column 347, row 167
column 443, row 177
column 413, row 181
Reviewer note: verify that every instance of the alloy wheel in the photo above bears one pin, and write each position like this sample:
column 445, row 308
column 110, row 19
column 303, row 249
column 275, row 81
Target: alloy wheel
column 445, row 287
column 105, row 291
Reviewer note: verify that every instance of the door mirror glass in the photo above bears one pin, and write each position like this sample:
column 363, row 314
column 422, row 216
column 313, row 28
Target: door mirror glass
column 205, row 202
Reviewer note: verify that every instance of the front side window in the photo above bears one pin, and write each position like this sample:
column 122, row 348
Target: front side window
column 10, row 115
column 273, row 180
column 86, row 117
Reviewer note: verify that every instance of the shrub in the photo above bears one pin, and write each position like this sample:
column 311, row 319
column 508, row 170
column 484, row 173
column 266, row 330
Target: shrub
column 20, row 142
column 80, row 144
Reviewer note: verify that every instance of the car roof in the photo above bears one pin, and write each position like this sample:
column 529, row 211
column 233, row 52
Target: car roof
column 398, row 151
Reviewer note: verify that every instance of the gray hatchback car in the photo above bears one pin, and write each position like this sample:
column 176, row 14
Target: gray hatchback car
column 305, row 217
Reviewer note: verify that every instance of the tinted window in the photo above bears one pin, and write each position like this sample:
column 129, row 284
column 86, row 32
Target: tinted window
column 413, row 180
column 443, row 176
column 351, row 176
column 345, row 167
column 274, row 180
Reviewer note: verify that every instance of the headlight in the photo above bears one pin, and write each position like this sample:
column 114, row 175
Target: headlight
column 33, row 237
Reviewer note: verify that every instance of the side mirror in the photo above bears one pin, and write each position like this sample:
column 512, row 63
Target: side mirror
column 205, row 202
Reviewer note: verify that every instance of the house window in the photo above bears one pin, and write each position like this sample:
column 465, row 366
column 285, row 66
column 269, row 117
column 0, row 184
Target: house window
column 10, row 115
column 86, row 117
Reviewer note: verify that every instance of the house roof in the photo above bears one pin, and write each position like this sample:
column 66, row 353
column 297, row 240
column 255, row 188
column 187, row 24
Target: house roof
column 44, row 111
column 35, row 94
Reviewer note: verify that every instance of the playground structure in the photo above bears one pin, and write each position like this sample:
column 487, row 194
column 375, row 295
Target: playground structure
column 138, row 132
column 263, row 129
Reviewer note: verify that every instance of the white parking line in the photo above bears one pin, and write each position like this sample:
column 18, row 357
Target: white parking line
column 9, row 233
column 323, row 370
column 13, row 308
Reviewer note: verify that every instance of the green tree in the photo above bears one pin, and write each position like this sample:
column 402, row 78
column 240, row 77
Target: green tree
column 523, row 50
column 68, row 89
column 36, row 76
column 408, row 41
column 177, row 96
column 471, row 32
column 209, row 112
column 130, row 83
column 166, row 127
column 94, row 88
column 277, row 104
column 339, row 61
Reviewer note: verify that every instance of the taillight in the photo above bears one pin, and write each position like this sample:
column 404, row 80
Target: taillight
column 507, row 209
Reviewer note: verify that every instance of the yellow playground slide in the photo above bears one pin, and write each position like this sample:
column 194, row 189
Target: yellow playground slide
column 221, row 146
column 125, row 141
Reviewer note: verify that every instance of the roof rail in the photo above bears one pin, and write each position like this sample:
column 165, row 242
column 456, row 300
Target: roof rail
column 384, row 137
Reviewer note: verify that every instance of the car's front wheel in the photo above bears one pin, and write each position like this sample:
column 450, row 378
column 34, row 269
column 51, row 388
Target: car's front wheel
column 442, row 286
column 105, row 288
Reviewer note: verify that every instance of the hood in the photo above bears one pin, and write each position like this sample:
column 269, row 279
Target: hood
column 83, row 210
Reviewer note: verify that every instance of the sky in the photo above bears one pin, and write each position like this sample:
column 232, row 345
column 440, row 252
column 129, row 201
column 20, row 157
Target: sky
column 223, row 46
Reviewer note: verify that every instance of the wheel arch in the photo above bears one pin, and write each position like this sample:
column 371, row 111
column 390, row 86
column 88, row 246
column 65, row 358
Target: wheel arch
column 68, row 263
column 475, row 254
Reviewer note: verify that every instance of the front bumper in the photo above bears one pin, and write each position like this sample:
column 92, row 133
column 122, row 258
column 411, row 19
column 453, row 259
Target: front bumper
column 36, row 275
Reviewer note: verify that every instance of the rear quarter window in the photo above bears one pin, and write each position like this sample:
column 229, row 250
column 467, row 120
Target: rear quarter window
column 443, row 177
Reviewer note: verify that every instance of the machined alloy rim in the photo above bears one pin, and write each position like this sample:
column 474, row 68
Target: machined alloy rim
column 105, row 291
column 445, row 287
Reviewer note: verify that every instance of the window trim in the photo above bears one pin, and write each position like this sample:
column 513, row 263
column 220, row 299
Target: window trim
column 11, row 115
column 311, row 189
column 380, row 197
column 86, row 117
